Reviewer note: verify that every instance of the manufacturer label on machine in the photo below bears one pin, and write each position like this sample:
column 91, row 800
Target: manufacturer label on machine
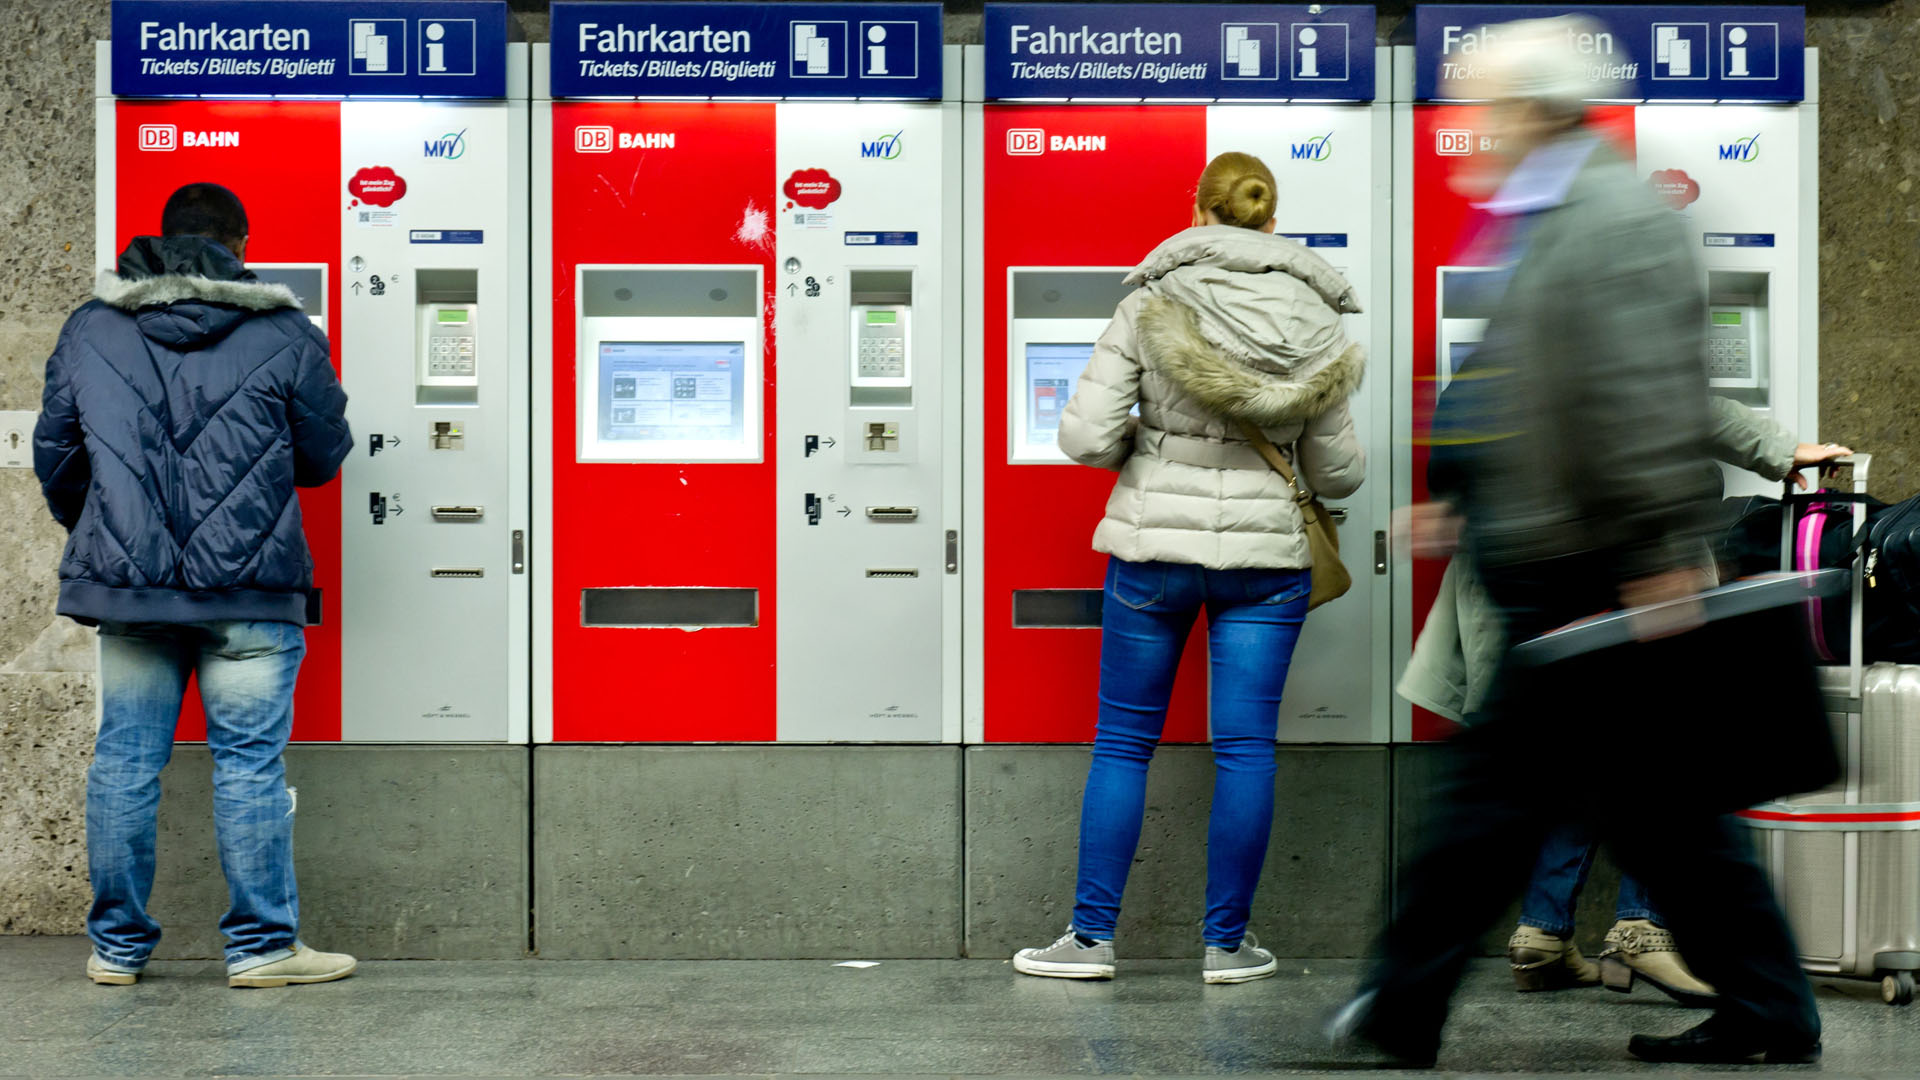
column 1192, row 51
column 746, row 50
column 1732, row 239
column 1635, row 53
column 320, row 48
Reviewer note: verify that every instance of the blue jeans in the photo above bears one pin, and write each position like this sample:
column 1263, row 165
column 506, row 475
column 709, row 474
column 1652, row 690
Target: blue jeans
column 1254, row 619
column 1560, row 874
column 246, row 672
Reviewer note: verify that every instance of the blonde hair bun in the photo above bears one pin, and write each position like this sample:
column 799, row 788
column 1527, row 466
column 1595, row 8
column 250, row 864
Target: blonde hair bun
column 1239, row 190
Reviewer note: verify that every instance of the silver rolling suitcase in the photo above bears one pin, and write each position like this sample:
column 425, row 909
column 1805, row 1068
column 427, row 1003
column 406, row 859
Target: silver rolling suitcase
column 1846, row 862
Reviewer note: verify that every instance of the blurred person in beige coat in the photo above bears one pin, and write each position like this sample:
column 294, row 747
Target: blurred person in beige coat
column 1231, row 328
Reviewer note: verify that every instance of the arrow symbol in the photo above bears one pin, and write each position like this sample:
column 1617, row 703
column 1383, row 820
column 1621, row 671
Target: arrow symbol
column 793, row 290
column 846, row 511
column 830, row 443
column 393, row 440
column 356, row 288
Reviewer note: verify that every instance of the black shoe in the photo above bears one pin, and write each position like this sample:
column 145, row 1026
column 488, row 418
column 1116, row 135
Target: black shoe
column 1711, row 1044
column 1354, row 1031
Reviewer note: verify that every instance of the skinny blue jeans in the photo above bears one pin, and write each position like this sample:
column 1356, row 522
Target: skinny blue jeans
column 1253, row 621
column 246, row 672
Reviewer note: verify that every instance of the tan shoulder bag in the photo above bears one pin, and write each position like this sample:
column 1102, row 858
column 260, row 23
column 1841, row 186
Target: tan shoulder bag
column 1330, row 578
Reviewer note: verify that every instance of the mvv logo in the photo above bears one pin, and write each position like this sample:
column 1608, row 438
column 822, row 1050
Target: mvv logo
column 887, row 147
column 1746, row 149
column 1318, row 148
column 448, row 147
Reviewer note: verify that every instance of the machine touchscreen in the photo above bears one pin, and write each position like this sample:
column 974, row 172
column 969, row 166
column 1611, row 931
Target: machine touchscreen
column 682, row 391
column 1052, row 372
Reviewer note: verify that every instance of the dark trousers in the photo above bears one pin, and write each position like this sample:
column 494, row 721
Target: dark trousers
column 1491, row 811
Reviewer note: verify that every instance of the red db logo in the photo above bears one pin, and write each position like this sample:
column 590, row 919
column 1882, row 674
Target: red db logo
column 159, row 137
column 1455, row 143
column 1025, row 142
column 593, row 140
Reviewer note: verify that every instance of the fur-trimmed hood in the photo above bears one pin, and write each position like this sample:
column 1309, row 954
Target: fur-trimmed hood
column 187, row 291
column 1249, row 324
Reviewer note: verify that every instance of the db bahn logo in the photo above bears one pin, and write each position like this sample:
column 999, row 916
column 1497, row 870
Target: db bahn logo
column 593, row 140
column 1025, row 142
column 168, row 137
column 1453, row 143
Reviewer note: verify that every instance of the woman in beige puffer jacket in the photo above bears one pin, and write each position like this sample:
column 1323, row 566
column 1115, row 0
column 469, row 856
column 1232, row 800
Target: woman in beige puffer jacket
column 1231, row 326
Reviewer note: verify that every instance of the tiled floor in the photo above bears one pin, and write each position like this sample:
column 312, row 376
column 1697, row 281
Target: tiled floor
column 901, row 1018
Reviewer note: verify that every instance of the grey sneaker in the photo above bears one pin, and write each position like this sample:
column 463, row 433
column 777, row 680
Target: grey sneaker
column 304, row 966
column 1067, row 959
column 1244, row 964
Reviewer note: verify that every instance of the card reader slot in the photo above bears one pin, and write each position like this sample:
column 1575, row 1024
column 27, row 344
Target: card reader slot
column 893, row 513
column 458, row 513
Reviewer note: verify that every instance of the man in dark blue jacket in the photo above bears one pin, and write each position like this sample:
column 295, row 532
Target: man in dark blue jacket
column 183, row 406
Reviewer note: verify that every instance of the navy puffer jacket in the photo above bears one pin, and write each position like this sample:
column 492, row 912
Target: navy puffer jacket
column 183, row 406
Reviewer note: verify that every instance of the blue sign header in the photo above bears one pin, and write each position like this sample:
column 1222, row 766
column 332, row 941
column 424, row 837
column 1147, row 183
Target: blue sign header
column 1638, row 53
column 320, row 48
column 746, row 50
column 1209, row 52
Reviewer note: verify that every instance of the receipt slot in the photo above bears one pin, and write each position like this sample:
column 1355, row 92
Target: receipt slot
column 1718, row 112
column 1297, row 88
column 747, row 448
column 395, row 209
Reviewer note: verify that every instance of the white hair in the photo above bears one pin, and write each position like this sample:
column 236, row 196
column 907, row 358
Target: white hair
column 1537, row 60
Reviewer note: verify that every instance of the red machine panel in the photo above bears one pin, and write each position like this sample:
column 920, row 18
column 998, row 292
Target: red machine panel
column 1127, row 185
column 283, row 160
column 703, row 198
column 1447, row 232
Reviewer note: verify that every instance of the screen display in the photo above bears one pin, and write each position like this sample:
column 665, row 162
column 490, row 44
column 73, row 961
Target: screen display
column 1052, row 372
column 882, row 318
column 688, row 391
column 456, row 315
column 1726, row 318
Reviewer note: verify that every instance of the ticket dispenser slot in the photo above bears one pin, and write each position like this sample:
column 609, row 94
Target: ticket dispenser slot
column 446, row 337
column 1739, row 336
column 669, row 368
column 1057, row 317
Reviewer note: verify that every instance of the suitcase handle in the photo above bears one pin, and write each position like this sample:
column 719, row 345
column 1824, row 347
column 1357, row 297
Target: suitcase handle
column 1793, row 505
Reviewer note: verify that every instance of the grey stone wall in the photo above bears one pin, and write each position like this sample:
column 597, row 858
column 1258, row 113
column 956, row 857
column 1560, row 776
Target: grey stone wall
column 1869, row 262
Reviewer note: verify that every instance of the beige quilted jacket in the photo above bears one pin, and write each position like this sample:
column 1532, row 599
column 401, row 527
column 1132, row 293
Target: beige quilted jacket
column 1228, row 324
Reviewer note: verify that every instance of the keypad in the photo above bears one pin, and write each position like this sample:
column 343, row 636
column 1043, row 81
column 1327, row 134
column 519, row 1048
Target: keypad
column 451, row 354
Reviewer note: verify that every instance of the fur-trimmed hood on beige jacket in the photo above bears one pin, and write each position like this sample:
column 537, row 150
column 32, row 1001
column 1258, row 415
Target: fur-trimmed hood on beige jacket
column 1228, row 325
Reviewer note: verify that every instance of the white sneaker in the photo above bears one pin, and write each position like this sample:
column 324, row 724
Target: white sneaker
column 108, row 975
column 1244, row 964
column 1067, row 959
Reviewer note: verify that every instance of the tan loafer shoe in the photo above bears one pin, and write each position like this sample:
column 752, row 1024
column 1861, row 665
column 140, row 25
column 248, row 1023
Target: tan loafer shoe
column 1541, row 961
column 304, row 966
column 1637, row 949
column 107, row 976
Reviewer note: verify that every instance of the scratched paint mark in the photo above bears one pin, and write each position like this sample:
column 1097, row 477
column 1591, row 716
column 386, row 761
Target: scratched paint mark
column 756, row 227
column 611, row 190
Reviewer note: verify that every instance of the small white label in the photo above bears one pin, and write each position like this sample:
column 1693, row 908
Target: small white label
column 16, row 439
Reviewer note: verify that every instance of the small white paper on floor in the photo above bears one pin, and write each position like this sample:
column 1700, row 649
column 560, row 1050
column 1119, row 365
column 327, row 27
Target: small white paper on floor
column 858, row 963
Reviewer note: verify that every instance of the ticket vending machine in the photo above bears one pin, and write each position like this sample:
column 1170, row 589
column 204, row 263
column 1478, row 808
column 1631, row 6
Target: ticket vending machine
column 747, row 451
column 1087, row 128
column 1718, row 108
column 379, row 149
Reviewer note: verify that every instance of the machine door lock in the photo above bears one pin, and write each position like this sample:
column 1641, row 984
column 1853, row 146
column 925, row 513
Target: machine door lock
column 519, row 551
column 953, row 551
column 1380, row 552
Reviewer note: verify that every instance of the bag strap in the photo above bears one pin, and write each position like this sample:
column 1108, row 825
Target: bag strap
column 1276, row 459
